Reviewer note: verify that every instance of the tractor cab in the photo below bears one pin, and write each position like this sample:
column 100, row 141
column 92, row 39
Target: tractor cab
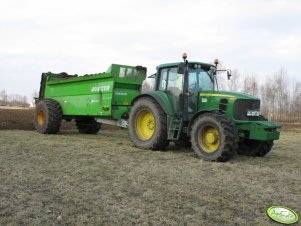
column 183, row 82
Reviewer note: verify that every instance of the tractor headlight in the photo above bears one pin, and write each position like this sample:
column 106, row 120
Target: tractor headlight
column 253, row 113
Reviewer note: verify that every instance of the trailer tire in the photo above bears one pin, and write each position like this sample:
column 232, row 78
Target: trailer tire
column 254, row 147
column 87, row 125
column 48, row 117
column 148, row 125
column 214, row 137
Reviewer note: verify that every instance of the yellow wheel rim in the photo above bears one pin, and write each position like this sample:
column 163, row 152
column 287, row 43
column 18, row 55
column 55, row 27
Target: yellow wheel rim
column 41, row 117
column 145, row 124
column 209, row 139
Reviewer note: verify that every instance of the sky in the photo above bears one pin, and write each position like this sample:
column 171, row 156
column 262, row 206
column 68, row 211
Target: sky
column 82, row 37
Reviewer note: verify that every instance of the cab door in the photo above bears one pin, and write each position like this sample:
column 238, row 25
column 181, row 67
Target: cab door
column 198, row 80
column 172, row 84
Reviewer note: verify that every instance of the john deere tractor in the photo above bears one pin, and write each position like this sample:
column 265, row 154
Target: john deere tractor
column 183, row 107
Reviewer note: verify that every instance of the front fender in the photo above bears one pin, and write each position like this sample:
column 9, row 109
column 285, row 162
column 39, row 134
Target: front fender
column 197, row 115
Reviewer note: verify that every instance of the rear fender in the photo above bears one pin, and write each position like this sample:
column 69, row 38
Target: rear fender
column 161, row 99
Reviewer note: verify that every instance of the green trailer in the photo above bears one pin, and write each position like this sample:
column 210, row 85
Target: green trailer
column 184, row 107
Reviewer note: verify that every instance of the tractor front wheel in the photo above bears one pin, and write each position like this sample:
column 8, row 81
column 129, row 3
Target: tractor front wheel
column 214, row 137
column 48, row 117
column 148, row 125
column 254, row 147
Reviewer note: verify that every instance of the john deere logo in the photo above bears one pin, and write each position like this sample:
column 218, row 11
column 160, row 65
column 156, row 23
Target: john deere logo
column 282, row 214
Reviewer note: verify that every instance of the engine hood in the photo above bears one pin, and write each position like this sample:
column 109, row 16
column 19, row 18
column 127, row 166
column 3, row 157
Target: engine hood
column 227, row 95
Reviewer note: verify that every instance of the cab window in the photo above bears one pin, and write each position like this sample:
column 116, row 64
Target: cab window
column 171, row 81
column 200, row 80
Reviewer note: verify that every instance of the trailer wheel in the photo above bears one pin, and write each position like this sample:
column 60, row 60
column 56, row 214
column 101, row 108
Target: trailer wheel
column 48, row 117
column 214, row 137
column 148, row 125
column 87, row 125
column 254, row 147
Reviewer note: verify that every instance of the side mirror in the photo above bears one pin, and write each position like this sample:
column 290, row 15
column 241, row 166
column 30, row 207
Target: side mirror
column 228, row 74
column 181, row 68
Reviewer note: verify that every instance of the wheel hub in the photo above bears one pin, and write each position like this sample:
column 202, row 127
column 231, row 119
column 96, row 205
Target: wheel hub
column 145, row 124
column 209, row 139
column 41, row 117
column 151, row 125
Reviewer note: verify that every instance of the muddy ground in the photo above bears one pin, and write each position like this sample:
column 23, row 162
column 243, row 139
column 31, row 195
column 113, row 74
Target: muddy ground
column 22, row 119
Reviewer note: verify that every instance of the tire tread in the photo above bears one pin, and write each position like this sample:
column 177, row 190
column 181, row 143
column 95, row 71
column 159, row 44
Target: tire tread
column 54, row 112
column 161, row 142
column 230, row 133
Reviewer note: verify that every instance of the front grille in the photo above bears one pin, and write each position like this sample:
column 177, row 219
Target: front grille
column 241, row 106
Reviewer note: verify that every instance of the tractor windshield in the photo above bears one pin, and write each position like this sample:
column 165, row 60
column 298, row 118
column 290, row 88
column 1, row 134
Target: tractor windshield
column 200, row 80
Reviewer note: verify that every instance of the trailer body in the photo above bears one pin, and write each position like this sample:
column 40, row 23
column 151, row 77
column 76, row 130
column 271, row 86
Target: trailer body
column 107, row 95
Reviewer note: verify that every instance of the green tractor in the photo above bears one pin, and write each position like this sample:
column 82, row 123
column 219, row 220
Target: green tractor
column 183, row 107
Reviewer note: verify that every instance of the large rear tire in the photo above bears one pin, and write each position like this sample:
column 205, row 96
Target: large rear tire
column 214, row 137
column 87, row 125
column 48, row 117
column 148, row 125
column 255, row 147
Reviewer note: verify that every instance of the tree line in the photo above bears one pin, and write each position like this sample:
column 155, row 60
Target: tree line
column 13, row 99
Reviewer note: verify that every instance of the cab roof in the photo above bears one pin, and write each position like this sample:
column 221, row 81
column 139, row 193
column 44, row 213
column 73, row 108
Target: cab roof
column 189, row 62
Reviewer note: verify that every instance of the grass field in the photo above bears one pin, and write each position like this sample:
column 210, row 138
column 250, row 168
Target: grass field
column 73, row 179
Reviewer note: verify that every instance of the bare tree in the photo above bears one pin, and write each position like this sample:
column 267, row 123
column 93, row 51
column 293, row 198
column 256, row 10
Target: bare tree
column 250, row 85
column 296, row 102
column 13, row 99
column 34, row 95
column 275, row 97
column 24, row 102
column 234, row 84
column 3, row 97
column 282, row 94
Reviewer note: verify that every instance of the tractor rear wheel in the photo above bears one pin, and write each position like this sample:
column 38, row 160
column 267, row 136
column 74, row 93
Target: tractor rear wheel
column 48, row 117
column 148, row 125
column 87, row 125
column 214, row 137
column 254, row 147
